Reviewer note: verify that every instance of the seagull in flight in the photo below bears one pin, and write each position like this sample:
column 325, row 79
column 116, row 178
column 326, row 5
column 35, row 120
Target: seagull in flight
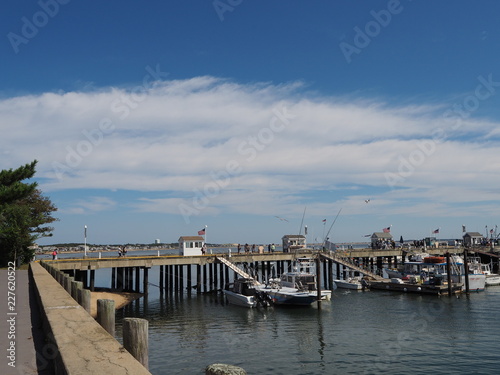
column 282, row 219
column 367, row 200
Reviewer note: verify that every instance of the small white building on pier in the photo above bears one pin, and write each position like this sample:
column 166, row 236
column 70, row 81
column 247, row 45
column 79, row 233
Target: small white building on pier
column 191, row 245
column 293, row 242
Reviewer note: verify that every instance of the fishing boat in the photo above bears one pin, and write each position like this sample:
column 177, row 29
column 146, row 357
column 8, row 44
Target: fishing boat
column 430, row 270
column 244, row 292
column 492, row 279
column 298, row 287
column 354, row 283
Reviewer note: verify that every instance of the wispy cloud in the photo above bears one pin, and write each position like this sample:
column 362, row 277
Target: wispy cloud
column 182, row 134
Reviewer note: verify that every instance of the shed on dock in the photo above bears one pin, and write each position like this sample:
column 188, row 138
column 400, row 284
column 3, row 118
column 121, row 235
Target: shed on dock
column 191, row 245
column 379, row 239
column 293, row 242
column 472, row 238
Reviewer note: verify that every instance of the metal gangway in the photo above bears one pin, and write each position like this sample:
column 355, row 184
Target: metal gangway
column 349, row 264
column 236, row 269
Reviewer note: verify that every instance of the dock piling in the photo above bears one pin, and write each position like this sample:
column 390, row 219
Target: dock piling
column 135, row 339
column 106, row 315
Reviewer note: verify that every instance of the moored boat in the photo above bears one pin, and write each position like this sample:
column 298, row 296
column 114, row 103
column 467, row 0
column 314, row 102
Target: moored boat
column 434, row 268
column 492, row 279
column 298, row 287
column 353, row 283
column 244, row 292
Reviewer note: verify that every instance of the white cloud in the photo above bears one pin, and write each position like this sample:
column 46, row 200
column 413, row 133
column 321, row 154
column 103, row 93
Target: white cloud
column 182, row 133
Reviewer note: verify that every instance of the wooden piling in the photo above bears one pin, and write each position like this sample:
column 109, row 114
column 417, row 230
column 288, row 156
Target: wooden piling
column 204, row 278
column 176, row 276
column 75, row 285
column 466, row 271
column 67, row 283
column 145, row 281
column 189, row 281
column 216, row 279
column 170, row 278
column 318, row 280
column 210, row 277
column 161, row 279
column 113, row 278
column 130, row 279
column 138, row 279
column 135, row 339
column 92, row 280
column 181, row 279
column 85, row 298
column 106, row 315
column 221, row 273
column 325, row 273
column 448, row 272
column 198, row 278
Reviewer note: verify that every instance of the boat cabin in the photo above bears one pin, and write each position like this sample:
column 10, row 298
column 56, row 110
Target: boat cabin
column 243, row 286
column 191, row 245
column 301, row 281
column 303, row 276
column 293, row 242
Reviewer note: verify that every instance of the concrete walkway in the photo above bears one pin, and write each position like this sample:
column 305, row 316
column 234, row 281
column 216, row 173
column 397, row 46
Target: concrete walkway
column 31, row 351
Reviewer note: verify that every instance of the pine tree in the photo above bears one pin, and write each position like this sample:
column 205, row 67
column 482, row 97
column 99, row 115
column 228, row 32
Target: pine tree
column 23, row 212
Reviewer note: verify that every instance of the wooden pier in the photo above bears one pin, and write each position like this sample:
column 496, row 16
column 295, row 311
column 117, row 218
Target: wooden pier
column 211, row 272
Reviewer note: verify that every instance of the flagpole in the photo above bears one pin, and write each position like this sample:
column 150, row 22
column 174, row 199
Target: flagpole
column 85, row 242
column 206, row 237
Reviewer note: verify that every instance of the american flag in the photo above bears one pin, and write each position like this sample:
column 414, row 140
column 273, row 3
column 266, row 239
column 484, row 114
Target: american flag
column 201, row 232
column 387, row 230
column 324, row 220
column 436, row 231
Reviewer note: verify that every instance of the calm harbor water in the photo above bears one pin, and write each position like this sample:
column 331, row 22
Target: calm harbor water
column 355, row 333
column 372, row 332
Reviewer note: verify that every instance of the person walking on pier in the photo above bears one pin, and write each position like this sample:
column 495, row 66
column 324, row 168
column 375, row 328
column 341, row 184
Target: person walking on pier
column 239, row 248
column 247, row 248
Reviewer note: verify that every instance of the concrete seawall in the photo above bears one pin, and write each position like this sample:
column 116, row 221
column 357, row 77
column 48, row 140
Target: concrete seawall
column 81, row 345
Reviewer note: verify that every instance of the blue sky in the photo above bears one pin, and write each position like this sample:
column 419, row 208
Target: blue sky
column 153, row 119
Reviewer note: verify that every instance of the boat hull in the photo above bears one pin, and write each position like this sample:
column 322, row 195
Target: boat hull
column 239, row 299
column 348, row 285
column 294, row 299
column 492, row 280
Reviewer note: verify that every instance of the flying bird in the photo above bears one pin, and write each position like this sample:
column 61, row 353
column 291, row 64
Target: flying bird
column 282, row 219
column 367, row 200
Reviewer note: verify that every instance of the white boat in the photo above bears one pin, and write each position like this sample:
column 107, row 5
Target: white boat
column 355, row 283
column 492, row 279
column 244, row 292
column 431, row 268
column 297, row 287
